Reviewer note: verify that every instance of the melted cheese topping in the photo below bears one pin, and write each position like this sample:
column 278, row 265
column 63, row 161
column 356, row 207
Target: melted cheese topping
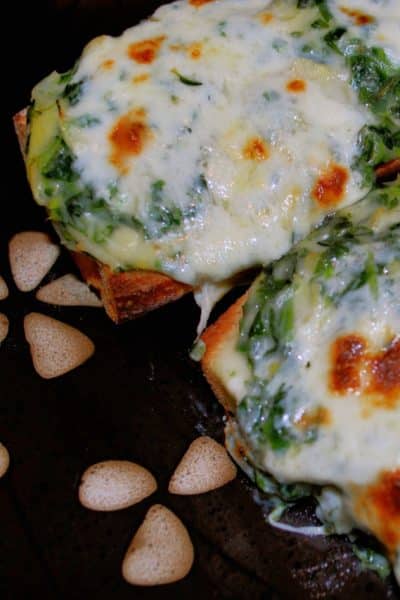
column 215, row 133
column 318, row 399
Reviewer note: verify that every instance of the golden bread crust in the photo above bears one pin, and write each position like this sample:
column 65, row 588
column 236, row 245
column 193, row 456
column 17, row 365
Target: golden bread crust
column 20, row 125
column 214, row 338
column 125, row 295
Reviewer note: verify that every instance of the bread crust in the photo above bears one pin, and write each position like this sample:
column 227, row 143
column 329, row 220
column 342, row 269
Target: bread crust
column 125, row 295
column 214, row 338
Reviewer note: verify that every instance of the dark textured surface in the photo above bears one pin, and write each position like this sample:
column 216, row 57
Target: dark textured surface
column 138, row 398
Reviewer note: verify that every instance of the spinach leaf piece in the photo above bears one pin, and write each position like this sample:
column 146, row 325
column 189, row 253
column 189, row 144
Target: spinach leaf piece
column 333, row 36
column 376, row 145
column 73, row 92
column 185, row 80
column 322, row 6
column 59, row 165
column 85, row 121
column 372, row 560
column 163, row 216
column 274, row 429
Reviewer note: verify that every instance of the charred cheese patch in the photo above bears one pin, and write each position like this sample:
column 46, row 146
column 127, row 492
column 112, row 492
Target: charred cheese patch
column 198, row 3
column 128, row 138
column 347, row 356
column 357, row 16
column 145, row 51
column 316, row 417
column 296, row 86
column 195, row 51
column 375, row 376
column 256, row 149
column 329, row 188
column 384, row 368
column 379, row 506
column 266, row 17
column 141, row 78
column 108, row 64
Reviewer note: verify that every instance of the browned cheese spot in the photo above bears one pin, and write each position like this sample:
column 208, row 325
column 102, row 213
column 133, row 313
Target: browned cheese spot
column 384, row 373
column 330, row 187
column 145, row 51
column 141, row 78
column 265, row 18
column 314, row 418
column 199, row 3
column 381, row 383
column 195, row 51
column 256, row 149
column 296, row 86
column 128, row 138
column 357, row 16
column 380, row 506
column 347, row 354
column 107, row 65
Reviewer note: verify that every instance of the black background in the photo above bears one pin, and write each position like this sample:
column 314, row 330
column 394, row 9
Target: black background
column 138, row 398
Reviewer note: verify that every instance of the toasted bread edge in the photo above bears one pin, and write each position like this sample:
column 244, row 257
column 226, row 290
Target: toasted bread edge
column 214, row 338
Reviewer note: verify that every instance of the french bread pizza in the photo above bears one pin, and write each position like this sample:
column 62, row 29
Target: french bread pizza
column 307, row 366
column 208, row 139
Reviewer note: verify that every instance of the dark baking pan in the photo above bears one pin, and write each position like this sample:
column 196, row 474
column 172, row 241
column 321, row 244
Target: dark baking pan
column 140, row 398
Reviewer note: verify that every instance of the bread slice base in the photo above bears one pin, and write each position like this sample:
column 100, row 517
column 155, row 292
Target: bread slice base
column 215, row 338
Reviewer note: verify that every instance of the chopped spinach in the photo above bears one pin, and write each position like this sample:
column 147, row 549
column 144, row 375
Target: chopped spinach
column 319, row 24
column 333, row 36
column 73, row 91
column 66, row 77
column 279, row 44
column 376, row 145
column 185, row 80
column 58, row 164
column 322, row 6
column 85, row 121
column 274, row 429
column 288, row 492
column 377, row 82
column 371, row 272
column 281, row 324
column 198, row 350
column 388, row 197
column 271, row 95
column 371, row 71
column 163, row 216
column 222, row 28
column 372, row 560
